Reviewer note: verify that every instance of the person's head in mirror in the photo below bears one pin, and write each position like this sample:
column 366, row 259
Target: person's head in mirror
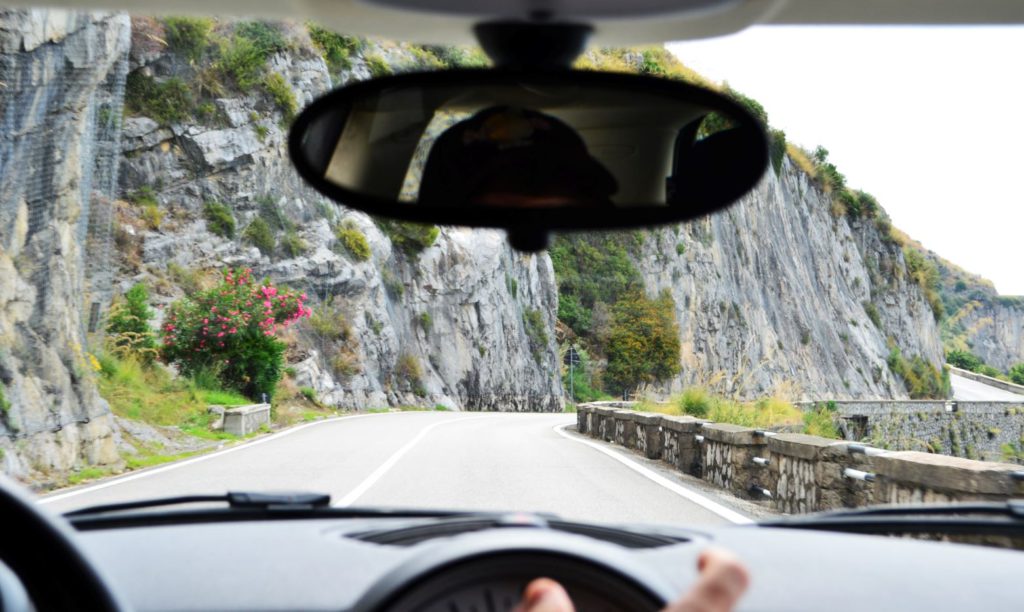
column 516, row 158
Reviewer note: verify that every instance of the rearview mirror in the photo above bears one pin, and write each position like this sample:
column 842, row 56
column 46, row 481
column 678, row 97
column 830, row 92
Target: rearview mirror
column 529, row 151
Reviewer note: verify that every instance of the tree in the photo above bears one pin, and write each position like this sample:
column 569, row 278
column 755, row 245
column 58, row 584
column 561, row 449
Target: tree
column 230, row 331
column 965, row 360
column 643, row 346
column 128, row 331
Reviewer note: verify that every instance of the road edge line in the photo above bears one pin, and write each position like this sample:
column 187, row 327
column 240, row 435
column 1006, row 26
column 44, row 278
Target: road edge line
column 688, row 494
column 116, row 480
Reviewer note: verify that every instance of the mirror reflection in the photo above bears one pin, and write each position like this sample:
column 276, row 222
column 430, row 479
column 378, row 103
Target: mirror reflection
column 522, row 145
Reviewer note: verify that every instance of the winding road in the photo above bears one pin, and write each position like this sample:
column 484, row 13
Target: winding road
column 446, row 460
column 967, row 390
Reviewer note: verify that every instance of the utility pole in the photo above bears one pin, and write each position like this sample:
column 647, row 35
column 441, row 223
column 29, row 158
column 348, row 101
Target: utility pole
column 572, row 359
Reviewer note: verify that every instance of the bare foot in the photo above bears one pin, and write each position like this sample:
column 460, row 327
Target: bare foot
column 722, row 581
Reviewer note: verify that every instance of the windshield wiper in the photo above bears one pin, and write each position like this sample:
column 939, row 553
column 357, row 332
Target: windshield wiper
column 234, row 499
column 975, row 518
column 241, row 506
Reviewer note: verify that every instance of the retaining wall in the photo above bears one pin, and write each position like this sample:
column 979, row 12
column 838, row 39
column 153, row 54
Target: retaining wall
column 799, row 473
column 973, row 430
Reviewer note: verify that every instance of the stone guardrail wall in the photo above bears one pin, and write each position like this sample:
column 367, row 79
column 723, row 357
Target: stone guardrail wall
column 988, row 380
column 245, row 420
column 799, row 473
column 975, row 430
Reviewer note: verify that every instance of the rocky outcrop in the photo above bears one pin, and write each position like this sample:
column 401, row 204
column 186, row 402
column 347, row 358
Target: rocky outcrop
column 774, row 295
column 993, row 329
column 62, row 76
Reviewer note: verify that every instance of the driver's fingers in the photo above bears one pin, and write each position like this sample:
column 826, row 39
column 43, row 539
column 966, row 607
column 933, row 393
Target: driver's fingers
column 722, row 581
column 545, row 595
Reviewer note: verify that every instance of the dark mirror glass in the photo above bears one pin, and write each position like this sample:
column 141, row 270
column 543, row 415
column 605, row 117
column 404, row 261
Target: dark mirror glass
column 476, row 146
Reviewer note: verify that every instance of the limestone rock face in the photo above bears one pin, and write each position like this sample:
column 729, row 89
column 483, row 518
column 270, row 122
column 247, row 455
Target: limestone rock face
column 63, row 74
column 772, row 293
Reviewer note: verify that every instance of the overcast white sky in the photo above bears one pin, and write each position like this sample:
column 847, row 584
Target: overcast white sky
column 929, row 120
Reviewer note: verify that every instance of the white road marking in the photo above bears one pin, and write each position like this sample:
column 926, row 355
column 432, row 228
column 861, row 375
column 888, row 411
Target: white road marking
column 383, row 468
column 689, row 495
column 180, row 464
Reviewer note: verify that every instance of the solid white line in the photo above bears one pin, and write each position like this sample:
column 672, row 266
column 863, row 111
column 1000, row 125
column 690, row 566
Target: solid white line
column 180, row 464
column 383, row 468
column 693, row 496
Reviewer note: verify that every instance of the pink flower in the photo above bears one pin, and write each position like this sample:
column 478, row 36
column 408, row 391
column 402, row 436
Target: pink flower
column 220, row 335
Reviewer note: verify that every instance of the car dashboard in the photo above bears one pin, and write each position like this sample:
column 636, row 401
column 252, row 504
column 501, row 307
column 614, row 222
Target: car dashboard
column 464, row 564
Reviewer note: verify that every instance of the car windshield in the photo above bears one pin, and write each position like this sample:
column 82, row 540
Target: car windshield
column 181, row 314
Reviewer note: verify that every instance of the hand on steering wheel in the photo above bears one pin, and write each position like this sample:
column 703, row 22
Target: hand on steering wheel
column 722, row 581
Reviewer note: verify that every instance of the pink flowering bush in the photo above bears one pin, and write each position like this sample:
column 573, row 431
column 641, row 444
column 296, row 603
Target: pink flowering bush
column 231, row 332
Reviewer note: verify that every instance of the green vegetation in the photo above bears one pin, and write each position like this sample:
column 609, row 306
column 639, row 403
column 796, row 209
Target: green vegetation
column 926, row 275
column 282, row 95
column 309, row 393
column 643, row 345
column 188, row 36
column 393, row 285
column 536, row 332
column 680, row 249
column 409, row 372
column 353, row 240
column 921, row 379
column 1017, row 374
column 582, row 383
column 89, row 473
column 259, row 235
column 964, row 360
column 266, row 37
column 229, row 332
column 411, row 238
column 219, row 220
column 5, row 404
column 592, row 269
column 336, row 49
column 169, row 101
column 241, row 62
column 292, row 245
column 426, row 322
column 129, row 334
column 377, row 66
column 821, row 421
column 762, row 414
column 459, row 57
column 872, row 311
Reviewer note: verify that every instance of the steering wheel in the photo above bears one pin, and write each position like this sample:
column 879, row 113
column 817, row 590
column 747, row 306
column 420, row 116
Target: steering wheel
column 40, row 549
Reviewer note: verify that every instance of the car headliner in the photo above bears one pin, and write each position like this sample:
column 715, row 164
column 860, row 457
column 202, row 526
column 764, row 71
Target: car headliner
column 644, row 21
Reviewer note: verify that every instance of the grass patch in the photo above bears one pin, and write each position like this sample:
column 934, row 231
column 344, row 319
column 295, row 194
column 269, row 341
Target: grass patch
column 697, row 402
column 282, row 95
column 138, row 462
column 219, row 219
column 89, row 473
column 353, row 240
column 169, row 101
column 259, row 235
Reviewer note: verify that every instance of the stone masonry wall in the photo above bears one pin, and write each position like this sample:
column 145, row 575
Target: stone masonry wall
column 800, row 473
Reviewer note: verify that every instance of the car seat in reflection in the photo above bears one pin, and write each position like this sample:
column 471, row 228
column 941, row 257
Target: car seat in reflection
column 512, row 157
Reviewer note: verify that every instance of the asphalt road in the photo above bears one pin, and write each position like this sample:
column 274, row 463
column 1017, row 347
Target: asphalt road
column 968, row 390
column 490, row 461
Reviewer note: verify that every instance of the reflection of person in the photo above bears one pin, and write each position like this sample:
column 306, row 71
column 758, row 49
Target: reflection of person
column 722, row 581
column 505, row 156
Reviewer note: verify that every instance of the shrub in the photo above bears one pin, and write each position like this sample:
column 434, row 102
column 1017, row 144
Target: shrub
column 230, row 331
column 411, row 238
column 872, row 311
column 335, row 48
column 266, row 37
column 345, row 364
column 1017, row 374
column 293, row 245
column 695, row 401
column 5, row 404
column 536, row 332
column 219, row 220
column 409, row 371
column 426, row 322
column 309, row 393
column 167, row 102
column 331, row 323
column 964, row 360
column 259, row 235
column 777, row 148
column 821, row 422
column 281, row 92
column 241, row 61
column 152, row 216
column 680, row 248
column 128, row 330
column 353, row 240
column 377, row 66
column 921, row 379
column 392, row 284
column 188, row 36
column 643, row 345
